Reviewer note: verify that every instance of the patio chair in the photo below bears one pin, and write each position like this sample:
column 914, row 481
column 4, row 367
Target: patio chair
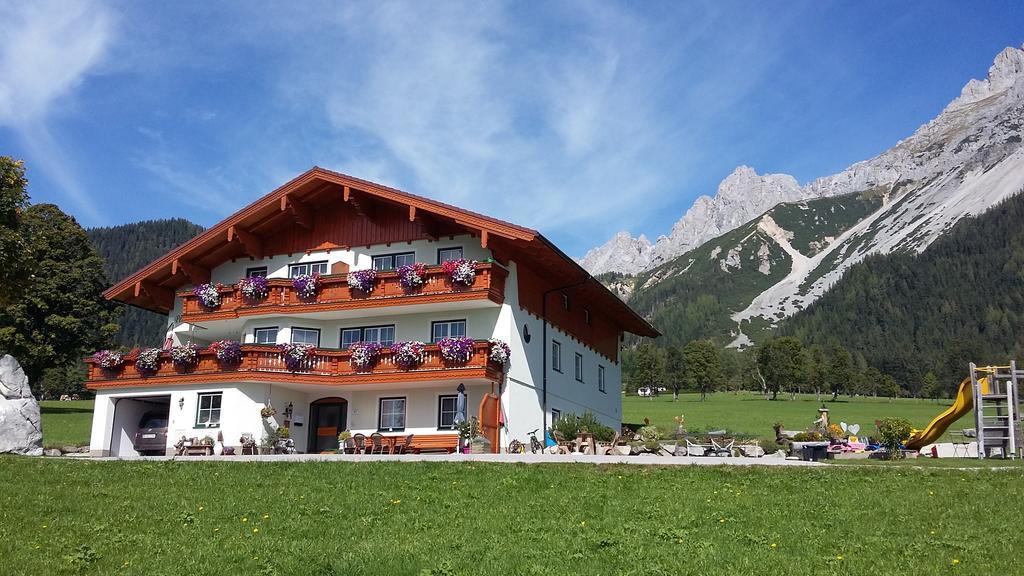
column 349, row 446
column 360, row 442
column 723, row 447
column 377, row 444
column 564, row 446
column 605, row 448
column 403, row 446
column 248, row 443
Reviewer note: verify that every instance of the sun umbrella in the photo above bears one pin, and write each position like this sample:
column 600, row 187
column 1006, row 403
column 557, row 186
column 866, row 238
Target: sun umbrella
column 460, row 405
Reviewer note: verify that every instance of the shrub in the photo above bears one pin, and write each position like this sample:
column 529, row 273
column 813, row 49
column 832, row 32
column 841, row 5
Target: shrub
column 895, row 432
column 648, row 434
column 569, row 425
column 811, row 436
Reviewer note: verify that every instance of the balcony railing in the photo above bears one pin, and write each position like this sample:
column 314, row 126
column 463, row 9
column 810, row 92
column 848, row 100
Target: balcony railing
column 335, row 294
column 266, row 363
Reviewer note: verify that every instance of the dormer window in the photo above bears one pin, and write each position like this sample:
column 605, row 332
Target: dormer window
column 586, row 316
column 565, row 301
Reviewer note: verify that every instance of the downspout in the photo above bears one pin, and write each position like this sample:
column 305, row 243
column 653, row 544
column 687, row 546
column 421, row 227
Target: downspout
column 544, row 352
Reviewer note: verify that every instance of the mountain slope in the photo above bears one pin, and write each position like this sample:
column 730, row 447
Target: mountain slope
column 959, row 301
column 963, row 162
column 125, row 249
column 978, row 129
column 694, row 295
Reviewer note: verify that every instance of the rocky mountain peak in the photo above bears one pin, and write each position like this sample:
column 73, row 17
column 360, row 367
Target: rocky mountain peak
column 1006, row 70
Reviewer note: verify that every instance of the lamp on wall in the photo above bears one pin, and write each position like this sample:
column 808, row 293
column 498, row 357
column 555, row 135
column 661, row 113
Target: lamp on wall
column 181, row 403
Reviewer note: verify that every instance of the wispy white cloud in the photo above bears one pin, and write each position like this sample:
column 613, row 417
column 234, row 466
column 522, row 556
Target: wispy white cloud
column 46, row 50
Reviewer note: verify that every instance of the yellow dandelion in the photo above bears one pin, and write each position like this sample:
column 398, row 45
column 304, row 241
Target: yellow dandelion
column 200, row 508
column 932, row 532
column 255, row 530
column 839, row 557
column 584, row 523
column 45, row 526
column 216, row 529
column 774, row 545
column 244, row 519
column 955, row 561
column 721, row 520
column 265, row 516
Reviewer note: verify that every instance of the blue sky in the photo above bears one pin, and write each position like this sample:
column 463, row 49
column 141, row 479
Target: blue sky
column 579, row 119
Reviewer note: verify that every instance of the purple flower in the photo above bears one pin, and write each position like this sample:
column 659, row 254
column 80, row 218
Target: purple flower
column 295, row 355
column 227, row 351
column 457, row 350
column 108, row 359
column 364, row 354
column 208, row 295
column 307, row 285
column 500, row 351
column 254, row 288
column 407, row 355
column 362, row 280
column 412, row 276
column 148, row 361
column 185, row 355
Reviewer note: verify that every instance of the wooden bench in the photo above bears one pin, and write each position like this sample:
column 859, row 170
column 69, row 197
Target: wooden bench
column 446, row 443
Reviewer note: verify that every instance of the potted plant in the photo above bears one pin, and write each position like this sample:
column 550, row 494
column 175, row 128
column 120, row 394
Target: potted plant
column 148, row 361
column 268, row 411
column 254, row 288
column 208, row 295
column 460, row 272
column 408, row 354
column 295, row 355
column 109, row 360
column 306, row 286
column 228, row 352
column 362, row 280
column 500, row 351
column 343, row 437
column 185, row 356
column 363, row 354
column 412, row 276
column 456, row 350
column 468, row 431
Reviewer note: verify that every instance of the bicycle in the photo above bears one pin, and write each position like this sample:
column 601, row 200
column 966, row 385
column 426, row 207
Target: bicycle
column 517, row 447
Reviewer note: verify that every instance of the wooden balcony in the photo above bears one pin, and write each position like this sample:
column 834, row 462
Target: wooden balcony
column 335, row 294
column 327, row 367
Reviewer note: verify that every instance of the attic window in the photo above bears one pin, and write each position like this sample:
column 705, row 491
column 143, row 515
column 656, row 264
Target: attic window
column 586, row 316
column 565, row 301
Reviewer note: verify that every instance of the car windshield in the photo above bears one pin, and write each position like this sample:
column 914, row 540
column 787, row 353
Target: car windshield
column 154, row 422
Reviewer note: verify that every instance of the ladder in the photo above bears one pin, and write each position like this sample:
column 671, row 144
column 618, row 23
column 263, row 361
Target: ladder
column 997, row 410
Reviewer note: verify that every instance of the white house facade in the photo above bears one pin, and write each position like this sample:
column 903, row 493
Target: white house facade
column 563, row 328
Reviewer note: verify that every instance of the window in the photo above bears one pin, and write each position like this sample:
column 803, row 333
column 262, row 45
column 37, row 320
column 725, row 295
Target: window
column 555, row 415
column 383, row 335
column 447, row 329
column 578, row 367
column 306, row 336
column 392, row 415
column 307, row 268
column 446, row 254
column 556, row 356
column 265, row 335
column 565, row 301
column 600, row 379
column 586, row 316
column 392, row 261
column 253, row 272
column 208, row 412
column 447, row 407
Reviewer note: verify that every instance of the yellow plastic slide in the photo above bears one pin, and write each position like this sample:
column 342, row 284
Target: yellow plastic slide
column 962, row 404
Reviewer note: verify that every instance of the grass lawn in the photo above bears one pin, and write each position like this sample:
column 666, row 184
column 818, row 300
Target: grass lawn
column 323, row 519
column 750, row 413
column 66, row 423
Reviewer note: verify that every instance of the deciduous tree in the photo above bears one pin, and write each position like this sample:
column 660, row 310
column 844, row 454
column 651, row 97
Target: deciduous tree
column 702, row 366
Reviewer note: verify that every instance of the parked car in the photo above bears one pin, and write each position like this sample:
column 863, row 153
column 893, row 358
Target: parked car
column 151, row 437
column 644, row 391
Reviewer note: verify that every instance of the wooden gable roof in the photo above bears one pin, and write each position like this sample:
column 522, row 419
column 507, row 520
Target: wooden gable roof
column 321, row 209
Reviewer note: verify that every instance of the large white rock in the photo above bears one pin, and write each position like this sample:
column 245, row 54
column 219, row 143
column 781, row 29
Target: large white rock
column 21, row 431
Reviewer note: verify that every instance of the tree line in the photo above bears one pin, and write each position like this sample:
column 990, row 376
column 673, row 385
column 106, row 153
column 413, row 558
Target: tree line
column 780, row 365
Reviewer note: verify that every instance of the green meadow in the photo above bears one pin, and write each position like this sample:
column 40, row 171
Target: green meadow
column 333, row 518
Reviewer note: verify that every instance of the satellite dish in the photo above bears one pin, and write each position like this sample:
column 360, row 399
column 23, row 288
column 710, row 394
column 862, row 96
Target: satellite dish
column 854, row 429
column 843, row 426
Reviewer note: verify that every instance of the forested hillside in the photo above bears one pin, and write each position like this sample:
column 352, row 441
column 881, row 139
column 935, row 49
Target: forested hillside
column 125, row 249
column 960, row 301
